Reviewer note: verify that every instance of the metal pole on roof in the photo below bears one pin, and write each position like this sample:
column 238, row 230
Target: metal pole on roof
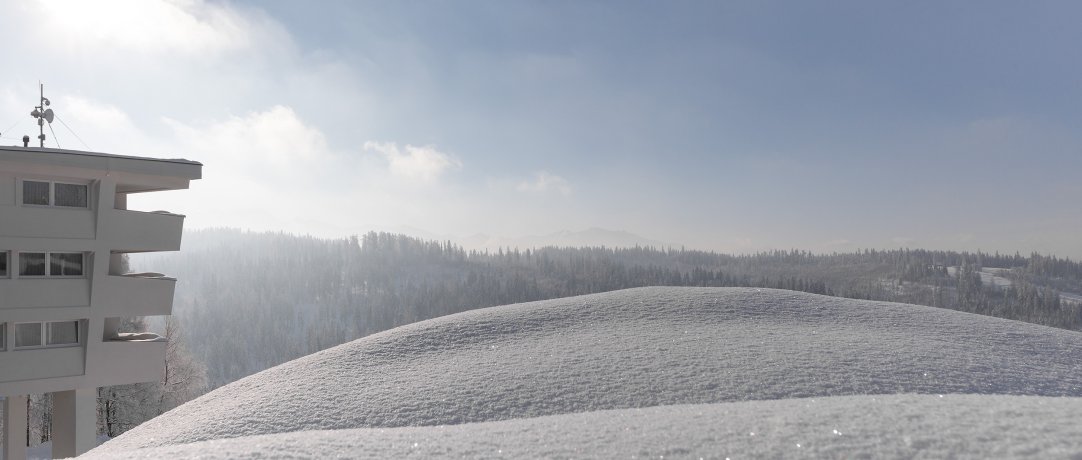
column 42, row 114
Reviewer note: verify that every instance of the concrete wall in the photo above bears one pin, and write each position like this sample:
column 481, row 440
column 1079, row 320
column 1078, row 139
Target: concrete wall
column 42, row 363
column 46, row 223
column 44, row 292
column 7, row 189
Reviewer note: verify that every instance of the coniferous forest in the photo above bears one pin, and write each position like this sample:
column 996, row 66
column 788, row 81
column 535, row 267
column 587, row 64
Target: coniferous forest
column 248, row 301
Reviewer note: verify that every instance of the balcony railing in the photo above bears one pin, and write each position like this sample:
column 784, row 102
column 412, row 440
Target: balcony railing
column 137, row 231
column 120, row 362
column 137, row 294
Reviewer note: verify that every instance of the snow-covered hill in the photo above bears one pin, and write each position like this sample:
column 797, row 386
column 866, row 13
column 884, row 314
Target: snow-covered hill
column 654, row 371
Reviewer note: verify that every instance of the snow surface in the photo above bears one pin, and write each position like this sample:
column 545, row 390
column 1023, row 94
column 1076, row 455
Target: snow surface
column 44, row 451
column 650, row 372
column 138, row 337
column 928, row 426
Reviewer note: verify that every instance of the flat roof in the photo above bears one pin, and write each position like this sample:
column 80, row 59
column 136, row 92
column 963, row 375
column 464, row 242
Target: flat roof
column 16, row 148
column 169, row 167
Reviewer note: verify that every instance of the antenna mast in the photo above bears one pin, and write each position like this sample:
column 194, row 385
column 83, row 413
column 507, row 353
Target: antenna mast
column 42, row 114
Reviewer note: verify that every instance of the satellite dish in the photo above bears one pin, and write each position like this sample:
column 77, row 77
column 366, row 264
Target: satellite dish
column 48, row 115
column 46, row 101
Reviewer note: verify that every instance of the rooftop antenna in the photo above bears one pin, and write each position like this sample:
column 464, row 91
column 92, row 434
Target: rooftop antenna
column 42, row 114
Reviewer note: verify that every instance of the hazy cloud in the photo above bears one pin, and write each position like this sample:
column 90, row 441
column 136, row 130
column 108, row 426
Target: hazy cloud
column 189, row 27
column 543, row 182
column 275, row 140
column 417, row 164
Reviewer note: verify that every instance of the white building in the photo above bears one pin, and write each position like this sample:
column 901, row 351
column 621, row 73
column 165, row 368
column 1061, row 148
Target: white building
column 64, row 226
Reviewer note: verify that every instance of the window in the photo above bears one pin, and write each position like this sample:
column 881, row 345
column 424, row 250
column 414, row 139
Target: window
column 41, row 193
column 60, row 264
column 62, row 333
column 53, row 333
column 3, row 264
column 66, row 264
column 3, row 336
column 27, row 335
column 35, row 192
column 31, row 264
column 71, row 195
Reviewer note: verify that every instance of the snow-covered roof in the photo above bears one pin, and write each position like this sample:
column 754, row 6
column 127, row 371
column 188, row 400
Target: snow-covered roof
column 687, row 372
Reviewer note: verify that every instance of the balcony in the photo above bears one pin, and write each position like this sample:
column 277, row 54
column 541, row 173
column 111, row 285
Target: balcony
column 120, row 362
column 137, row 231
column 138, row 294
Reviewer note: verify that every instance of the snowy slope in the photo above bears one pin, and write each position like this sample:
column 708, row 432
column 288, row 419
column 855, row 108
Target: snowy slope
column 927, row 426
column 577, row 359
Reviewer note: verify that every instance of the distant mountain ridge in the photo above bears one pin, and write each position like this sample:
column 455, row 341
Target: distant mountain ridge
column 591, row 237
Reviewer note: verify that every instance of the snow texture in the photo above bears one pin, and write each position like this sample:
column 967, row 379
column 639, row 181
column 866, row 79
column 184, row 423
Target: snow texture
column 138, row 337
column 649, row 372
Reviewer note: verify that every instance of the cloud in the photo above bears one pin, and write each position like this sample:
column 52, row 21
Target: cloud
column 415, row 164
column 267, row 169
column 903, row 240
column 544, row 183
column 187, row 27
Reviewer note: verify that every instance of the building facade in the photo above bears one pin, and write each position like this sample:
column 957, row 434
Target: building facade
column 64, row 230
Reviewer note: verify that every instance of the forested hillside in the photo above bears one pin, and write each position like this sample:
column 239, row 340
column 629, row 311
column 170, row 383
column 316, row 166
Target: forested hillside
column 248, row 301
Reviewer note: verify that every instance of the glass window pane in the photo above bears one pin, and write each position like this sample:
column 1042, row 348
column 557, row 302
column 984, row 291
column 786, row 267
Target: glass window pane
column 32, row 264
column 63, row 332
column 3, row 264
column 70, row 195
column 73, row 264
column 35, row 192
column 3, row 335
column 28, row 335
column 66, row 264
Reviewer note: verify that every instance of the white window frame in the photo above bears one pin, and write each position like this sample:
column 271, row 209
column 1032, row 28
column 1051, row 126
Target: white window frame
column 52, row 193
column 49, row 265
column 44, row 343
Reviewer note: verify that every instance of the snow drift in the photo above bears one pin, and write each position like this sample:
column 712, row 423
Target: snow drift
column 650, row 371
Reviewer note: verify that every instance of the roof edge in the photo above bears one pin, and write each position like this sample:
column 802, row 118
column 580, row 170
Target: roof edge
column 97, row 154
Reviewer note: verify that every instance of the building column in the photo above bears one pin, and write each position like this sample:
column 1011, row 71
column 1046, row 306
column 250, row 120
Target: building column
column 14, row 436
column 74, row 421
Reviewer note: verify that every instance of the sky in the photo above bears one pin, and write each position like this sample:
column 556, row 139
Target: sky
column 730, row 126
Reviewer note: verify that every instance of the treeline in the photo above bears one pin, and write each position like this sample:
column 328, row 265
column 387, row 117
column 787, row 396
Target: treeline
column 249, row 301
